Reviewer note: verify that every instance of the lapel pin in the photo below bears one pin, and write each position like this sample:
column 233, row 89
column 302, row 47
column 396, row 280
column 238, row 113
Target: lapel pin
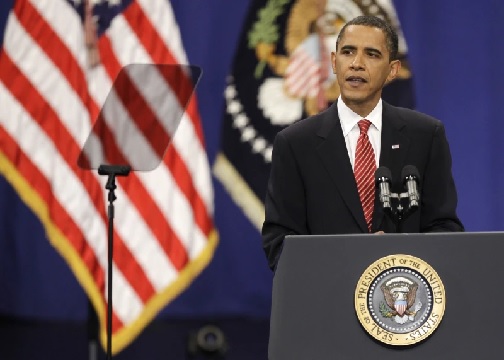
column 395, row 146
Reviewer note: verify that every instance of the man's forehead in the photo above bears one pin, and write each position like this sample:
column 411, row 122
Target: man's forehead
column 362, row 35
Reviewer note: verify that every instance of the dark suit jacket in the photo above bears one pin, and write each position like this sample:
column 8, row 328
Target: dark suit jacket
column 312, row 188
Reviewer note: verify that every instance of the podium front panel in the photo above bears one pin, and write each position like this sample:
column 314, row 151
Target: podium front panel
column 313, row 314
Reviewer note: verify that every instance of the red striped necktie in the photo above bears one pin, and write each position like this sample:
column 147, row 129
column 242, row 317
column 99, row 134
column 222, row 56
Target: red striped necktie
column 364, row 169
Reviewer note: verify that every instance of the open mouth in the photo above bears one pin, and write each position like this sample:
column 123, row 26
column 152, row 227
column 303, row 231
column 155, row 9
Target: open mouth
column 356, row 80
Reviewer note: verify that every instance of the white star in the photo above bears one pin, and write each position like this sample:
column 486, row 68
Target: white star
column 259, row 145
column 114, row 2
column 234, row 107
column 268, row 154
column 240, row 121
column 248, row 133
column 230, row 92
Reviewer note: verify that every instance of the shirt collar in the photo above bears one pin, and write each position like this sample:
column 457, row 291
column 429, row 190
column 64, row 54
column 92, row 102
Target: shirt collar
column 349, row 118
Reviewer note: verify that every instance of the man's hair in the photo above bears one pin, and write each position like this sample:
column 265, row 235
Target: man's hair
column 373, row 21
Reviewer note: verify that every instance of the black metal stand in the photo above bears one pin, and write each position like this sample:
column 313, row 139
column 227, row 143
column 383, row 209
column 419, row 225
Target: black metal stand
column 401, row 208
column 111, row 171
column 93, row 330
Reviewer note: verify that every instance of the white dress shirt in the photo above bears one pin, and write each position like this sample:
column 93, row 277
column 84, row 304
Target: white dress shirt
column 349, row 120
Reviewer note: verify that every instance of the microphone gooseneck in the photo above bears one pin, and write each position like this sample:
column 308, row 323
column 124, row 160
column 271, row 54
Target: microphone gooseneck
column 383, row 179
column 398, row 206
column 410, row 178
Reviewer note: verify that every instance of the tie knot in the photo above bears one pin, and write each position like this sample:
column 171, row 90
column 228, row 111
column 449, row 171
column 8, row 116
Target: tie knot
column 364, row 126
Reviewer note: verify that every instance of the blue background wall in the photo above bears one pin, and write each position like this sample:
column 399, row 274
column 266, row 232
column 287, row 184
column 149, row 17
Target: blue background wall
column 456, row 50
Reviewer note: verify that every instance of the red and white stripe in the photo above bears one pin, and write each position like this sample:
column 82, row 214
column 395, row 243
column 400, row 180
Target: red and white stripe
column 302, row 76
column 164, row 232
column 400, row 307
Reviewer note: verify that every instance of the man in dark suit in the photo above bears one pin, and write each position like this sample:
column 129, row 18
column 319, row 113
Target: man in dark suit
column 312, row 187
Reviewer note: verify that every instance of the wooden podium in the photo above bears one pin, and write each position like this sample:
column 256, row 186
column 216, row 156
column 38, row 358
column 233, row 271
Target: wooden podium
column 313, row 315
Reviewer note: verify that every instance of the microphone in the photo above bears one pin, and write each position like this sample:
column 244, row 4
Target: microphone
column 383, row 178
column 411, row 176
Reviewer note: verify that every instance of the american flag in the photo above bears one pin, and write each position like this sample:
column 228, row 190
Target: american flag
column 303, row 74
column 57, row 65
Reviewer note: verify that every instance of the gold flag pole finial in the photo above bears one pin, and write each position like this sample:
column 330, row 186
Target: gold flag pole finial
column 90, row 33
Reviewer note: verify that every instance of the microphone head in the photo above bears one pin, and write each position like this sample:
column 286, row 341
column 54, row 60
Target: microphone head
column 410, row 171
column 383, row 174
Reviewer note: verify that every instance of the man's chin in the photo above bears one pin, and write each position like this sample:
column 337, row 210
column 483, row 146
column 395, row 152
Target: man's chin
column 354, row 99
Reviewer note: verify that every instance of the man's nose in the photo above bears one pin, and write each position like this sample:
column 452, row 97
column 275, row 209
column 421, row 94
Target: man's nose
column 357, row 63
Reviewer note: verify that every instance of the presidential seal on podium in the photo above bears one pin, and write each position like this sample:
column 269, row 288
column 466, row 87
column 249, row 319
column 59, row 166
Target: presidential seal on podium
column 400, row 300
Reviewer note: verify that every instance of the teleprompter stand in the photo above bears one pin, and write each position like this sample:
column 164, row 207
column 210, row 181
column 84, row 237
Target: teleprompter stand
column 133, row 131
column 112, row 171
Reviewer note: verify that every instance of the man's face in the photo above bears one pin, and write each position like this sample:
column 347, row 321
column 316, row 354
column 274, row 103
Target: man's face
column 362, row 67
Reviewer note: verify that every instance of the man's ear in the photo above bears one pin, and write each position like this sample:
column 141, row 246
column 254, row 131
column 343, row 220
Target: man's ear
column 395, row 66
column 333, row 62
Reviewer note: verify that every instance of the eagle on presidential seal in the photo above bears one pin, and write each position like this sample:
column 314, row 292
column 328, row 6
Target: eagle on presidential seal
column 400, row 297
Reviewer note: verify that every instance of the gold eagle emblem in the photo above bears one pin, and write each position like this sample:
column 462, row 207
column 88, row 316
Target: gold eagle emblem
column 400, row 296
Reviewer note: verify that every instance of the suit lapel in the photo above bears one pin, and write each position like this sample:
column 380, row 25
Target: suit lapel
column 394, row 147
column 334, row 155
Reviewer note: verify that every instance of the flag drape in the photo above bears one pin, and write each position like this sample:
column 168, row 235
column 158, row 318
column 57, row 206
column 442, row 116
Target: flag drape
column 51, row 90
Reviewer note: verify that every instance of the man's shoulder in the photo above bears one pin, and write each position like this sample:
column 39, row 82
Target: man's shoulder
column 308, row 125
column 411, row 117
